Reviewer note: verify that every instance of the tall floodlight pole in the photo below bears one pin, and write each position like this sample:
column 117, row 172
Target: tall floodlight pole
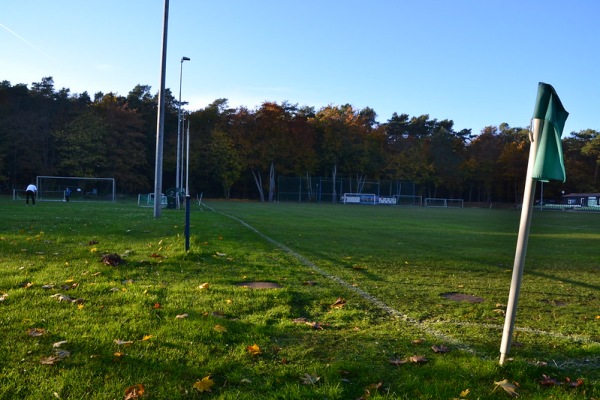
column 160, row 119
column 179, row 142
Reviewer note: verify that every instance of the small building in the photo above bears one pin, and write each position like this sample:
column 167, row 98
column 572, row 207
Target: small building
column 582, row 199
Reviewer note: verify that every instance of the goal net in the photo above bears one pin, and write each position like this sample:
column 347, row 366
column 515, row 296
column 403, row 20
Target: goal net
column 147, row 200
column 63, row 188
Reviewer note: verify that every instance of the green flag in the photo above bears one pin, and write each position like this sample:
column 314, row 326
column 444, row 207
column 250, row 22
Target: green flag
column 549, row 163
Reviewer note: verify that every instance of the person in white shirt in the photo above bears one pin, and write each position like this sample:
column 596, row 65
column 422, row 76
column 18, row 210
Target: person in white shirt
column 31, row 191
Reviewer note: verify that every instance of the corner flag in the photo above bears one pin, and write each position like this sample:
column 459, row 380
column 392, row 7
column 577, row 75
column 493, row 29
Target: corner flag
column 545, row 162
column 549, row 163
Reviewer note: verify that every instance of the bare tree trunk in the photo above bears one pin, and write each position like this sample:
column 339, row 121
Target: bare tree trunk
column 271, row 182
column 258, row 181
column 309, row 186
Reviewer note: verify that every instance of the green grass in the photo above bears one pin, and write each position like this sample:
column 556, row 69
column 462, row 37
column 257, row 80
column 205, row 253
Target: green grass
column 403, row 258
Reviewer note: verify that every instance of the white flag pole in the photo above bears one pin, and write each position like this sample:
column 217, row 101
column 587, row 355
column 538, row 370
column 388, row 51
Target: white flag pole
column 517, row 276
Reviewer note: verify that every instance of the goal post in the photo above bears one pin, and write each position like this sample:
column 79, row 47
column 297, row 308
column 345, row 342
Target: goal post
column 75, row 188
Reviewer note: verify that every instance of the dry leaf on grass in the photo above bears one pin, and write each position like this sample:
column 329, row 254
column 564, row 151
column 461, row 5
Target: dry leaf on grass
column 112, row 259
column 36, row 332
column 510, row 388
column 181, row 316
column 398, row 361
column 310, row 379
column 254, row 350
column 59, row 355
column 122, row 342
column 205, row 285
column 204, row 384
column 3, row 297
column 134, row 392
column 418, row 359
column 220, row 328
column 440, row 349
column 339, row 303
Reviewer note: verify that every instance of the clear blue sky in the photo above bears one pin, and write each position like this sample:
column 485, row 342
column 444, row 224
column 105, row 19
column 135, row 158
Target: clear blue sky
column 477, row 62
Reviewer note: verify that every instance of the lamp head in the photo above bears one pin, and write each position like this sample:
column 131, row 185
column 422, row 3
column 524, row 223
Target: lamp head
column 185, row 59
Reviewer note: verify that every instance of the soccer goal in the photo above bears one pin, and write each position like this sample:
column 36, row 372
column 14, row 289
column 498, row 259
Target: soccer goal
column 75, row 188
column 147, row 200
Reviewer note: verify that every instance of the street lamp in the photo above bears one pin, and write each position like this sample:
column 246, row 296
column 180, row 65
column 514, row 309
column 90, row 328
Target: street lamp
column 177, row 179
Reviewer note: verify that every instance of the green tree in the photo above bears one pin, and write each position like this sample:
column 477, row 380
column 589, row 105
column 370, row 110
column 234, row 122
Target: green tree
column 224, row 160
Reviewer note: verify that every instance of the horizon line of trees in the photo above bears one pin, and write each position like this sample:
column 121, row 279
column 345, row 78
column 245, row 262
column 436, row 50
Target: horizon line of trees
column 238, row 152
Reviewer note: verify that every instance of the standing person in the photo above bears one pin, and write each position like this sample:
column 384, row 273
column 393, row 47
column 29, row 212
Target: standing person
column 31, row 191
column 67, row 194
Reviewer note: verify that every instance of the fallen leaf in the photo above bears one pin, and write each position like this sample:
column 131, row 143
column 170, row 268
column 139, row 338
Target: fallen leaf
column 50, row 360
column 254, row 350
column 418, row 359
column 574, row 384
column 47, row 287
column 3, row 297
column 112, row 259
column 134, row 392
column 204, row 384
column 418, row 341
column 339, row 303
column 548, row 381
column 123, row 342
column 465, row 393
column 118, row 355
column 205, row 285
column 27, row 285
column 440, row 349
column 156, row 305
column 58, row 344
column 62, row 297
column 398, row 361
column 146, row 337
column 181, row 316
column 220, row 328
column 97, row 273
column 510, row 388
column 62, row 353
column 35, row 332
column 309, row 379
column 221, row 254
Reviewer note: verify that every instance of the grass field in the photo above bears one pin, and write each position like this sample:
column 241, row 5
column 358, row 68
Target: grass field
column 364, row 299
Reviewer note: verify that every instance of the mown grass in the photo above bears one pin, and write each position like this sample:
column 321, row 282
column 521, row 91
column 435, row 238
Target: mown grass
column 405, row 258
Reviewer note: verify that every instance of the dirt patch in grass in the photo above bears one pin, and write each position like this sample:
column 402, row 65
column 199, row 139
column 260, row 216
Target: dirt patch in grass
column 462, row 297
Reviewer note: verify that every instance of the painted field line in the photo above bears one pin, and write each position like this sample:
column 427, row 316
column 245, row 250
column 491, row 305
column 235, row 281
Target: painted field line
column 426, row 327
column 371, row 299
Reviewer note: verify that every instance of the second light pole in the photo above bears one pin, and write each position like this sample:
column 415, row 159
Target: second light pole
column 179, row 142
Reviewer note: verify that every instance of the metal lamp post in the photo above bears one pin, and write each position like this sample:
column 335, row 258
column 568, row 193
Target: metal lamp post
column 177, row 179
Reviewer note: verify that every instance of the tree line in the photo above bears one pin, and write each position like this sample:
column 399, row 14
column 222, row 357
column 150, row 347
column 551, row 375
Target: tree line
column 239, row 152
